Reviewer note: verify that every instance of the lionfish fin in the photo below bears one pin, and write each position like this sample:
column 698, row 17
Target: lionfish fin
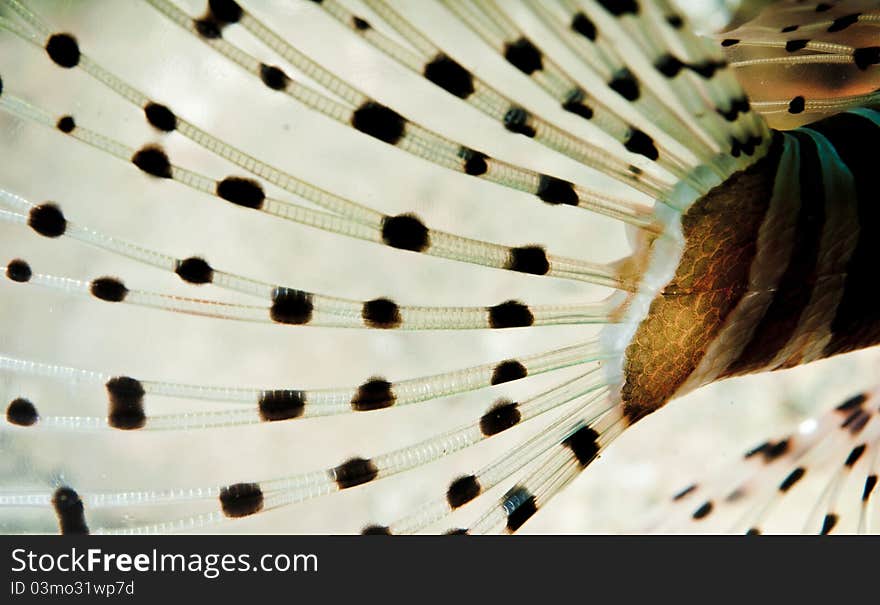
column 792, row 43
column 831, row 461
column 666, row 120
column 584, row 393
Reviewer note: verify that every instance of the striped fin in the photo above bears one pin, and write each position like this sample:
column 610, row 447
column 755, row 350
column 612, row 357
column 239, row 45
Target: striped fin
column 688, row 64
column 430, row 52
column 580, row 35
column 125, row 394
column 581, row 411
column 282, row 304
column 638, row 170
column 379, row 121
column 136, row 409
column 574, row 437
column 799, row 272
column 570, row 456
column 251, row 497
column 404, row 231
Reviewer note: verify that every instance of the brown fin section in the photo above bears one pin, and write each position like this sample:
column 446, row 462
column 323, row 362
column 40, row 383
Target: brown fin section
column 721, row 232
column 789, row 76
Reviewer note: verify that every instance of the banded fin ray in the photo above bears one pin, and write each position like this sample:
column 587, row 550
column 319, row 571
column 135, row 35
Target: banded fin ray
column 830, row 463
